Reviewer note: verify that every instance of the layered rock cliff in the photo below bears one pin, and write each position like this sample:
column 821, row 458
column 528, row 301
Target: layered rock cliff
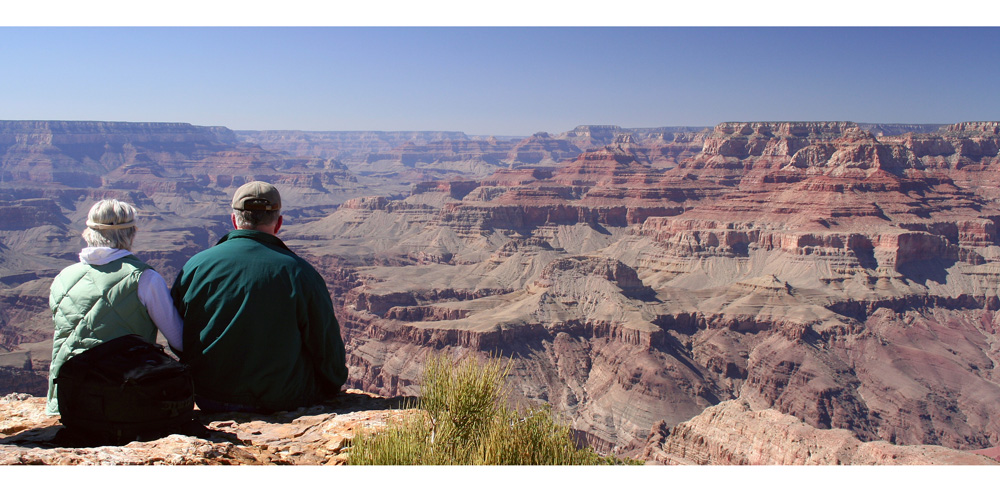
column 732, row 433
column 812, row 268
column 415, row 156
column 340, row 145
column 835, row 273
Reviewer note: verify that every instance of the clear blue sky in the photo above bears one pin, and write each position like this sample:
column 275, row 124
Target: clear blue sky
column 498, row 80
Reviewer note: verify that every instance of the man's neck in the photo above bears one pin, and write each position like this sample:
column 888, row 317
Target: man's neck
column 265, row 229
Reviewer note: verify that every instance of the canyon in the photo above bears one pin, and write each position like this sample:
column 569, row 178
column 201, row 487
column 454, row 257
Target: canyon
column 657, row 287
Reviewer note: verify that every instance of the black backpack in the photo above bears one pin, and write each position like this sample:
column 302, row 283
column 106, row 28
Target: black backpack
column 123, row 390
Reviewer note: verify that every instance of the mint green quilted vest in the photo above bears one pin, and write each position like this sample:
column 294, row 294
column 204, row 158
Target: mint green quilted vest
column 92, row 304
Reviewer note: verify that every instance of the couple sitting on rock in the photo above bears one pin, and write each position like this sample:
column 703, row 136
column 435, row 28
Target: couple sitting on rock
column 254, row 322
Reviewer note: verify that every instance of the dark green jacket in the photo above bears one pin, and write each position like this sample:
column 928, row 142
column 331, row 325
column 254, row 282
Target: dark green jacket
column 259, row 326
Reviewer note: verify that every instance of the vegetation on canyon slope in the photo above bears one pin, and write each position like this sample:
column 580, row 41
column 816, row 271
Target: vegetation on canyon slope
column 463, row 419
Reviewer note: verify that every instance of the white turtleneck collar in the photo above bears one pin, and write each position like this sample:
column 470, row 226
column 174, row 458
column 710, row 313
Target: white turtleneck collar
column 100, row 255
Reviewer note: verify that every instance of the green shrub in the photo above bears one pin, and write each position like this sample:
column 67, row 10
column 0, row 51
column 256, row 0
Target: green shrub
column 464, row 419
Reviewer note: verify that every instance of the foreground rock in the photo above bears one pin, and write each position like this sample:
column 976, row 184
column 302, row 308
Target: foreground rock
column 316, row 435
column 731, row 433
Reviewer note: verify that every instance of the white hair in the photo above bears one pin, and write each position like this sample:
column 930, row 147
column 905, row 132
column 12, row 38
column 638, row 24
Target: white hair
column 110, row 212
column 251, row 219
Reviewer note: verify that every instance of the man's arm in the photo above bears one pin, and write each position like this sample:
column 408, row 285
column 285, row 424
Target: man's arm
column 321, row 336
column 177, row 296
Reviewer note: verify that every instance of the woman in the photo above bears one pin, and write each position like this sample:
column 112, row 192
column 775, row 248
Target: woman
column 108, row 294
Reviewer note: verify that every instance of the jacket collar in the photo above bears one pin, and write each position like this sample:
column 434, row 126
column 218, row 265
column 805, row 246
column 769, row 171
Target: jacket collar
column 261, row 237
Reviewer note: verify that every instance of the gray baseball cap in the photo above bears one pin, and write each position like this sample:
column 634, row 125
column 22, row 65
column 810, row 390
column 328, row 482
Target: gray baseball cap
column 257, row 195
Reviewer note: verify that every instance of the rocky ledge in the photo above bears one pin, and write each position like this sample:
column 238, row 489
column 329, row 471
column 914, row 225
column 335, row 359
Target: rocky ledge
column 730, row 433
column 733, row 433
column 316, row 435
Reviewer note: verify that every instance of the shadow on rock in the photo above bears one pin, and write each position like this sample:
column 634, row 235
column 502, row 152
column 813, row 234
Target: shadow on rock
column 346, row 402
column 59, row 436
column 38, row 437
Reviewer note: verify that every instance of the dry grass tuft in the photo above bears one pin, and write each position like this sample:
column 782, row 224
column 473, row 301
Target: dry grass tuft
column 465, row 421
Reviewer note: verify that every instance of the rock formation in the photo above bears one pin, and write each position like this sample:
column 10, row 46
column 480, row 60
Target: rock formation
column 840, row 275
column 812, row 268
column 415, row 156
column 728, row 433
column 317, row 435
column 340, row 145
column 731, row 433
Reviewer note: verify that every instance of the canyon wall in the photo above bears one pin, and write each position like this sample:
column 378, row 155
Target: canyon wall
column 843, row 276
column 731, row 433
column 811, row 268
column 445, row 155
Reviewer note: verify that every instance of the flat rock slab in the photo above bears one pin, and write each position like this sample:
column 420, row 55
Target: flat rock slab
column 317, row 435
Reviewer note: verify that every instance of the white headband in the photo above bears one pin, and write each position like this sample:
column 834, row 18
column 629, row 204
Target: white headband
column 109, row 227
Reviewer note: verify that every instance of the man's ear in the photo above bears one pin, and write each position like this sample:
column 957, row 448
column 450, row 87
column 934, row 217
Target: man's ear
column 278, row 224
column 233, row 218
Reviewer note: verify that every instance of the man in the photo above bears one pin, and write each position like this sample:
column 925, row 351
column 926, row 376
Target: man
column 259, row 330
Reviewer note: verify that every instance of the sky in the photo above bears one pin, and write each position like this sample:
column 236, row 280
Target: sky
column 463, row 74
